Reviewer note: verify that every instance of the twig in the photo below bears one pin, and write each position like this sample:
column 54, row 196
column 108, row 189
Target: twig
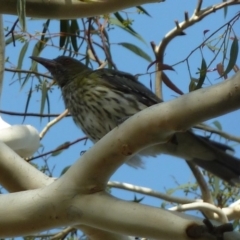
column 202, row 43
column 205, row 127
column 158, row 77
column 197, row 16
column 198, row 7
column 53, row 122
column 150, row 192
column 90, row 42
column 64, row 146
column 11, row 31
column 63, row 233
column 201, row 206
column 108, row 56
column 31, row 114
column 206, row 195
column 160, row 49
column 27, row 71
column 158, row 84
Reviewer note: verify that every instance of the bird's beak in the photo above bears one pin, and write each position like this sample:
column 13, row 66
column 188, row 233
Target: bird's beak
column 47, row 63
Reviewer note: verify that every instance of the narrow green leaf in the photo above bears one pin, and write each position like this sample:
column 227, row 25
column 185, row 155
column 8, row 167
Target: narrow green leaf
column 225, row 10
column 138, row 51
column 66, row 46
column 74, row 29
column 45, row 28
column 44, row 96
column 217, row 124
column 64, row 28
column 125, row 23
column 116, row 22
column 119, row 17
column 25, row 80
column 203, row 72
column 37, row 49
column 181, row 187
column 192, row 84
column 233, row 56
column 21, row 57
column 61, row 148
column 10, row 39
column 48, row 106
column 64, row 170
column 216, row 184
column 21, row 11
column 27, row 102
column 39, row 46
column 141, row 9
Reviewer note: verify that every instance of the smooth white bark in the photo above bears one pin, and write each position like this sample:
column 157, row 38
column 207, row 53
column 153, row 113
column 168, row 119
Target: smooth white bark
column 2, row 54
column 36, row 210
column 16, row 174
column 23, row 139
column 61, row 9
column 78, row 197
column 3, row 124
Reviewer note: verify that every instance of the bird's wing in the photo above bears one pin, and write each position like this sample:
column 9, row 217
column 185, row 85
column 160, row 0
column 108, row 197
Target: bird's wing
column 127, row 83
column 205, row 153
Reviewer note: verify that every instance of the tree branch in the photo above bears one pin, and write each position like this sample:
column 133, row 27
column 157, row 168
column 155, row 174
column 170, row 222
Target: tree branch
column 31, row 114
column 205, row 193
column 79, row 197
column 202, row 206
column 61, row 9
column 2, row 55
column 18, row 175
column 52, row 123
column 210, row 129
column 23, row 139
column 150, row 192
column 196, row 17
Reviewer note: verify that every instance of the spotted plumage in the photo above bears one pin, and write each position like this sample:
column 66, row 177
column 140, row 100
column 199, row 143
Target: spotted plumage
column 99, row 100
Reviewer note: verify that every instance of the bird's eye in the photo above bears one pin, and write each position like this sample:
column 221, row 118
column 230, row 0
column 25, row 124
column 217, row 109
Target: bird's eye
column 67, row 61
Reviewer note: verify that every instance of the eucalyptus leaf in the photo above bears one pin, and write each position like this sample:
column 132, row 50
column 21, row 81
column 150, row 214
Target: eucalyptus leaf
column 135, row 49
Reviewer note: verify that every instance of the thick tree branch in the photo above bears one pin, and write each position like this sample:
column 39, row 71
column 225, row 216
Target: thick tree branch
column 78, row 197
column 61, row 9
column 18, row 175
column 96, row 234
column 23, row 139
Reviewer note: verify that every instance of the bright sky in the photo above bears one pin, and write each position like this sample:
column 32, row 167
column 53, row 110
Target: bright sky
column 160, row 173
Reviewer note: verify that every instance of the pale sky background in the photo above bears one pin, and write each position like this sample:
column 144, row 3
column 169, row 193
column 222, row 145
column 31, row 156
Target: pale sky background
column 160, row 173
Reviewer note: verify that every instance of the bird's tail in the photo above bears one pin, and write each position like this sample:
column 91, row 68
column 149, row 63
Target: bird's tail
column 225, row 166
column 209, row 155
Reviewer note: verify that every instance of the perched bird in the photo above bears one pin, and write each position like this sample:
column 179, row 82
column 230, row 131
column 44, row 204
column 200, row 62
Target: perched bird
column 99, row 100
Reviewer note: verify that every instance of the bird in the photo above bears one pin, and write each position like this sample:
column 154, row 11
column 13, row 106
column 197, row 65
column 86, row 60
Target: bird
column 99, row 100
